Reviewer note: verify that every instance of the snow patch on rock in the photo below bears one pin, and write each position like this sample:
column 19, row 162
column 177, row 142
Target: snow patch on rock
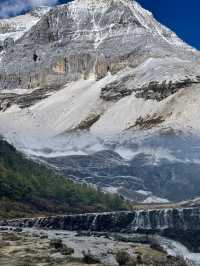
column 154, row 199
column 16, row 27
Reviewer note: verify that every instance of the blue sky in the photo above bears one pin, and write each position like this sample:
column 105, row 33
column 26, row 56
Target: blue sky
column 182, row 16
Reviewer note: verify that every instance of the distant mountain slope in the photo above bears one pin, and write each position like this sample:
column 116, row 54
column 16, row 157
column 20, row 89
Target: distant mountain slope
column 16, row 27
column 111, row 59
column 28, row 188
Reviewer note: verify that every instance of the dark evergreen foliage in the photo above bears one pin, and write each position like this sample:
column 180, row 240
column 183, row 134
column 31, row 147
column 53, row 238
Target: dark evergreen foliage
column 31, row 187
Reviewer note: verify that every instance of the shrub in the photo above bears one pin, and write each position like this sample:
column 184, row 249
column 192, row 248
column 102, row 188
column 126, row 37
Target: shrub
column 123, row 258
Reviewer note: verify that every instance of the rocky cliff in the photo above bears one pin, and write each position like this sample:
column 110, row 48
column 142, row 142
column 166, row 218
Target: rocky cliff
column 89, row 38
column 180, row 224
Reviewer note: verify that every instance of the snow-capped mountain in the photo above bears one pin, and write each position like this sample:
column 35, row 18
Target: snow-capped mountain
column 100, row 75
column 16, row 27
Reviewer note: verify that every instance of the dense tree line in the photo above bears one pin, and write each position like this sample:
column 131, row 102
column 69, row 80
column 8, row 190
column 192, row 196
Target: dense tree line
column 29, row 187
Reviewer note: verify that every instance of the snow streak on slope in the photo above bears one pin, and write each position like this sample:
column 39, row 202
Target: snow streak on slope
column 60, row 113
column 147, row 20
column 144, row 17
column 16, row 27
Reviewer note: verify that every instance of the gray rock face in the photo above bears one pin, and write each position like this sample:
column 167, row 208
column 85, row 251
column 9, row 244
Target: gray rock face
column 8, row 43
column 153, row 90
column 15, row 27
column 85, row 38
column 24, row 100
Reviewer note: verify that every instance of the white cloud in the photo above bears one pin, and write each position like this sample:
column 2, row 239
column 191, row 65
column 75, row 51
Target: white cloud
column 15, row 7
column 35, row 3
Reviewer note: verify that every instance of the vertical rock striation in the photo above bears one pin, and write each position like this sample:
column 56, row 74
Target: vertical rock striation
column 87, row 38
column 179, row 224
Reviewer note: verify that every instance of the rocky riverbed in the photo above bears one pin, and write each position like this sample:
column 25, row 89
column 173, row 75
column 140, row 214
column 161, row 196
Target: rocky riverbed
column 33, row 247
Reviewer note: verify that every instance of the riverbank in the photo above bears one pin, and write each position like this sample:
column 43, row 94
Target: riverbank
column 32, row 247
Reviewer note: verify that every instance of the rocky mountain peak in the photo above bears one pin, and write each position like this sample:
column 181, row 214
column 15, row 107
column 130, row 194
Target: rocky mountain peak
column 16, row 27
column 71, row 37
column 123, row 12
